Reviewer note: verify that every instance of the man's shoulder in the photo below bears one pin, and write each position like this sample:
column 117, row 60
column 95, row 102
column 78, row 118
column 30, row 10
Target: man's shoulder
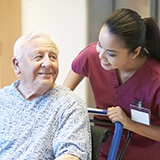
column 66, row 93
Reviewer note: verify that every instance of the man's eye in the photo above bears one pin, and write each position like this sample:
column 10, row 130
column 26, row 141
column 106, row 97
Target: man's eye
column 53, row 57
column 37, row 57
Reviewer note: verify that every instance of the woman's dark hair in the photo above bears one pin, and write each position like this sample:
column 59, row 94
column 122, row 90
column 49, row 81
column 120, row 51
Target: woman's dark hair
column 128, row 26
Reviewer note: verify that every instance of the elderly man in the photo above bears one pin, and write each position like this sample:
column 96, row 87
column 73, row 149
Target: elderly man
column 39, row 119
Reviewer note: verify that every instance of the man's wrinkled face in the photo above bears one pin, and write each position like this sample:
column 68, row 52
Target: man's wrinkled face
column 38, row 65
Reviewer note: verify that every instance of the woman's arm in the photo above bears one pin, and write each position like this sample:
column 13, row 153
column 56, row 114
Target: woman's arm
column 67, row 157
column 72, row 80
column 117, row 114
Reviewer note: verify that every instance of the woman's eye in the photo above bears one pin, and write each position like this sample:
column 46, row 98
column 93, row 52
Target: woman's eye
column 99, row 44
column 110, row 54
column 98, row 48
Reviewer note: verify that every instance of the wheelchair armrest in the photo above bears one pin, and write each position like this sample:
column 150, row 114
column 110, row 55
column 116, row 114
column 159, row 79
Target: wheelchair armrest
column 117, row 134
column 99, row 135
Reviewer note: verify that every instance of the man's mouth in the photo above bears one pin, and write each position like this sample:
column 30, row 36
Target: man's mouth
column 45, row 73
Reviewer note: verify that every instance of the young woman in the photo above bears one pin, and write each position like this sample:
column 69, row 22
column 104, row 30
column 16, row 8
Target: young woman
column 124, row 71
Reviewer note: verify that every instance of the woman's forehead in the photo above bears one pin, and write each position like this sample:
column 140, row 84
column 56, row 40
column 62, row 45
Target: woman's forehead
column 108, row 39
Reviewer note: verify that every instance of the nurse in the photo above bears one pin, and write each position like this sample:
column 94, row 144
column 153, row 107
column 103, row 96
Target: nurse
column 123, row 68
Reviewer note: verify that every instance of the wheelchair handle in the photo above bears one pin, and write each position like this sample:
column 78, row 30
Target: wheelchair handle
column 117, row 133
column 115, row 141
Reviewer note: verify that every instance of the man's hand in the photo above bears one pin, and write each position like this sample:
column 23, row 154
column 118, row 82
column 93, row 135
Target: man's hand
column 67, row 157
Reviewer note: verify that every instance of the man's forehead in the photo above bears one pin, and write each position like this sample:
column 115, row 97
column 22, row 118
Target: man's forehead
column 41, row 42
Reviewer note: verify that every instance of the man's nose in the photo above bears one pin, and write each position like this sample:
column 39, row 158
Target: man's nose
column 46, row 62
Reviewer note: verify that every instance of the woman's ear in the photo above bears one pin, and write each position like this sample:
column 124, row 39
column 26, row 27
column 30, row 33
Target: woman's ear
column 136, row 52
column 15, row 63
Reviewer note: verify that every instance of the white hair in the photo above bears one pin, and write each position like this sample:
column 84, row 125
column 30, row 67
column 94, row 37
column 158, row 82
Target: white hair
column 18, row 49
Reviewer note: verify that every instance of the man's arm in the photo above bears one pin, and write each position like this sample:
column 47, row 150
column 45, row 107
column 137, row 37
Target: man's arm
column 67, row 157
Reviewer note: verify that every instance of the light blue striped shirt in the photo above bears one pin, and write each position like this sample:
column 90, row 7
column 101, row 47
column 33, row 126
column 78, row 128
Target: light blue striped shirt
column 53, row 124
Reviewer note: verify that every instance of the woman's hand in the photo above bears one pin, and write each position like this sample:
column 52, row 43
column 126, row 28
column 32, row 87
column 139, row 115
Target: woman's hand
column 117, row 114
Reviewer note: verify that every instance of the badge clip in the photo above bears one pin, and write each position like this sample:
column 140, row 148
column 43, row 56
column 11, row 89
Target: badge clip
column 139, row 113
column 138, row 103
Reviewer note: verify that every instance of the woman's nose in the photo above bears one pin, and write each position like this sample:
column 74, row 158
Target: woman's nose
column 102, row 54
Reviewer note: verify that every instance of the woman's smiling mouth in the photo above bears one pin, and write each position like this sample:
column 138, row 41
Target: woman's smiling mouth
column 105, row 63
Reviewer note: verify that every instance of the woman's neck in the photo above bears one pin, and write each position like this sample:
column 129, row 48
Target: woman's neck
column 124, row 74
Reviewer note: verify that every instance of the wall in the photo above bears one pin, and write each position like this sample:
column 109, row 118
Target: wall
column 65, row 20
column 140, row 6
column 10, row 30
column 74, row 24
column 98, row 10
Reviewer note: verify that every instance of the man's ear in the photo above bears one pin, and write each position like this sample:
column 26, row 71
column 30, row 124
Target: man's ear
column 136, row 52
column 15, row 63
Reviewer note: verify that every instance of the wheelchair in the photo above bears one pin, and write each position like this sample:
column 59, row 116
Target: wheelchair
column 101, row 134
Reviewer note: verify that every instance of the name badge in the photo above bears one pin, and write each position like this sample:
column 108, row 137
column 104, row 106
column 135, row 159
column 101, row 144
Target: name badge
column 140, row 114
